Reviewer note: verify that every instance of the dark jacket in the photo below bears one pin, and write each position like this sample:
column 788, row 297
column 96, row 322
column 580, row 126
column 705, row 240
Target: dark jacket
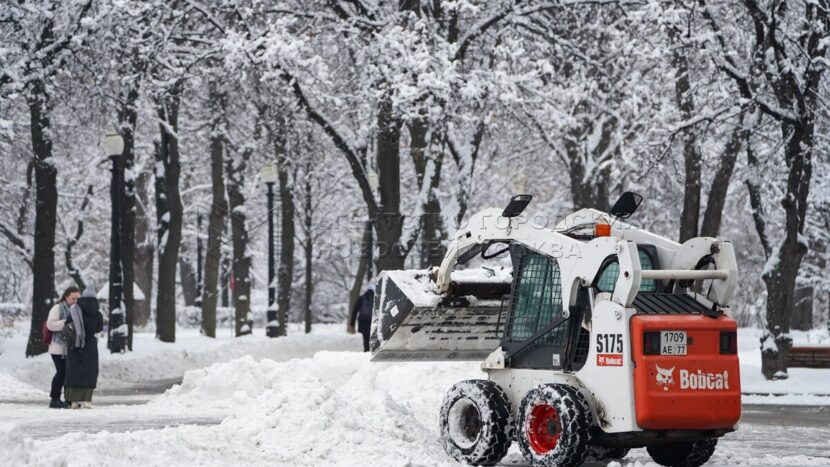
column 362, row 312
column 82, row 364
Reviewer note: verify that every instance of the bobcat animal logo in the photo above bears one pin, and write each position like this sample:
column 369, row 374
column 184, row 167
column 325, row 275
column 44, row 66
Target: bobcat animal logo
column 665, row 378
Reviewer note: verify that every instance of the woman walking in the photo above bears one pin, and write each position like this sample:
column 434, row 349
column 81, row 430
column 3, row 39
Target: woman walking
column 362, row 313
column 82, row 352
column 57, row 347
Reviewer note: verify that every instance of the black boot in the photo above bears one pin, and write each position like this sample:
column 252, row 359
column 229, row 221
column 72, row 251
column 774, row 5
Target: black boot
column 56, row 404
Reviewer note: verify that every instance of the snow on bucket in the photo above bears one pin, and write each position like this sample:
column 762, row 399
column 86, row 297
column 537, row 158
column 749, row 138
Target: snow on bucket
column 412, row 321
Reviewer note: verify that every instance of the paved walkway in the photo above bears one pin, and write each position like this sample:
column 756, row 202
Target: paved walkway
column 114, row 410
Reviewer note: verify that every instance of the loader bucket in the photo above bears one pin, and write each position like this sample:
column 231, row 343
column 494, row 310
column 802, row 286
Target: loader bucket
column 412, row 322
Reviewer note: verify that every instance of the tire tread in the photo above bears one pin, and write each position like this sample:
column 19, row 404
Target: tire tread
column 500, row 419
column 693, row 454
column 575, row 417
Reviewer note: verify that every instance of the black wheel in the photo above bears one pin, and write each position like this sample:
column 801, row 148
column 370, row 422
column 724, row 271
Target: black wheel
column 554, row 420
column 603, row 454
column 691, row 454
column 476, row 425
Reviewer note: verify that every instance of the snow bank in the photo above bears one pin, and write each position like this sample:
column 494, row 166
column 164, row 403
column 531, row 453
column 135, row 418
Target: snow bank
column 16, row 448
column 153, row 360
column 13, row 389
column 336, row 408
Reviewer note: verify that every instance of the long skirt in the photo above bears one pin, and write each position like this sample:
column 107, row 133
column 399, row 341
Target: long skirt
column 79, row 394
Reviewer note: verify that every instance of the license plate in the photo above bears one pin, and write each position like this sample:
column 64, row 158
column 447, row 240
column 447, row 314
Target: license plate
column 673, row 343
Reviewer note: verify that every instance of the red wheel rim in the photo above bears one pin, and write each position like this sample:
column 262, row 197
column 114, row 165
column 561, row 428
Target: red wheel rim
column 543, row 428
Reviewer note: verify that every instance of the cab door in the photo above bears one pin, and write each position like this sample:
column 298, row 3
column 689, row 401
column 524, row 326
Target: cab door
column 536, row 331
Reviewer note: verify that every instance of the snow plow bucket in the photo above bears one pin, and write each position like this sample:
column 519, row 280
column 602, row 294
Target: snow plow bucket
column 413, row 322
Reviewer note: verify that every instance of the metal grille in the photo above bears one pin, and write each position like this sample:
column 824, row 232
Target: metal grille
column 581, row 350
column 666, row 303
column 609, row 275
column 537, row 300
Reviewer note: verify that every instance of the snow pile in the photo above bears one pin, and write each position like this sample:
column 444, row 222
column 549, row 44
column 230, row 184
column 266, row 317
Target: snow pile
column 153, row 360
column 336, row 408
column 16, row 448
column 496, row 274
column 13, row 389
column 415, row 285
column 247, row 381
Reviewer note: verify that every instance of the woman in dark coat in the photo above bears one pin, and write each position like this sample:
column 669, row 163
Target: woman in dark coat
column 82, row 358
column 362, row 313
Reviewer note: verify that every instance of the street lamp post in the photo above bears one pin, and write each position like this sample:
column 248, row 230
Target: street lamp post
column 268, row 175
column 114, row 145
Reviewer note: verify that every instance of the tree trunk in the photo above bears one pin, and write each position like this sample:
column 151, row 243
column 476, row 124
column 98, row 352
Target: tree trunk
column 720, row 184
column 74, row 272
column 285, row 270
column 144, row 251
column 690, row 215
column 187, row 276
column 364, row 266
column 46, row 203
column 432, row 229
column 127, row 117
column 781, row 270
column 389, row 221
column 589, row 190
column 218, row 209
column 225, row 286
column 753, row 184
column 168, row 212
column 309, row 246
column 235, row 173
column 465, row 160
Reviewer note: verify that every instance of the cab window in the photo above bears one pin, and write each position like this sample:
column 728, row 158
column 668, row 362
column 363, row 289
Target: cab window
column 608, row 276
column 538, row 300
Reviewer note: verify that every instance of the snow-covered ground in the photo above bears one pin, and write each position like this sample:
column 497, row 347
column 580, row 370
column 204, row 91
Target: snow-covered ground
column 804, row 385
column 154, row 361
column 262, row 401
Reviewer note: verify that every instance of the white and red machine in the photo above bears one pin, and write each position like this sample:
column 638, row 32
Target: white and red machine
column 601, row 337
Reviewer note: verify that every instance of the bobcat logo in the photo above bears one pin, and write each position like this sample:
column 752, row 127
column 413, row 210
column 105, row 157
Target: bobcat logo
column 665, row 377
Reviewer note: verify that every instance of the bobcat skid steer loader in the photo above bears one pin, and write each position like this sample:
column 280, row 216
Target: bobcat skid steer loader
column 601, row 338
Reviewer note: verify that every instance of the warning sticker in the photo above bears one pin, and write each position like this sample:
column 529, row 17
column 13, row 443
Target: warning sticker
column 609, row 359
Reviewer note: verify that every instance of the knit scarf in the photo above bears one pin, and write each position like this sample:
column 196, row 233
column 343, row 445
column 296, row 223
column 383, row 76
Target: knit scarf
column 78, row 319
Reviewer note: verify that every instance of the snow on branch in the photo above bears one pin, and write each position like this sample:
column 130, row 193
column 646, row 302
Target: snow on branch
column 726, row 62
column 514, row 10
column 79, row 231
column 426, row 190
column 351, row 154
column 47, row 57
column 18, row 243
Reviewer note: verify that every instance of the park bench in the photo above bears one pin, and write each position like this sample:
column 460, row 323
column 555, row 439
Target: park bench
column 809, row 357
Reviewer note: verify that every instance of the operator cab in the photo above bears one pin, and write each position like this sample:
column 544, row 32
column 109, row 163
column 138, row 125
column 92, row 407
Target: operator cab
column 536, row 331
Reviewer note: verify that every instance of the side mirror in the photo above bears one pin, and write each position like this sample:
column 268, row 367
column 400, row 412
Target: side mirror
column 516, row 206
column 626, row 205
